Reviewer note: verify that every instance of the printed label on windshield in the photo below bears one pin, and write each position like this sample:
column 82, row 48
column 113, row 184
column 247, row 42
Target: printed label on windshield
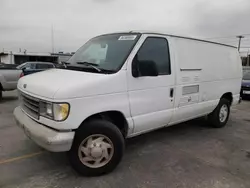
column 127, row 37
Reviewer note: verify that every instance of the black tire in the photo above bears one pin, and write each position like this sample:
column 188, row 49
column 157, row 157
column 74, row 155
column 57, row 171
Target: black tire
column 214, row 117
column 105, row 128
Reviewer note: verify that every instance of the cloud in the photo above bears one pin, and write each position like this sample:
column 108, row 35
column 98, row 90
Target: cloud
column 27, row 24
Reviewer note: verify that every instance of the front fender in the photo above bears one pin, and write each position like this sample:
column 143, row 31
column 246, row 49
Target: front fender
column 82, row 108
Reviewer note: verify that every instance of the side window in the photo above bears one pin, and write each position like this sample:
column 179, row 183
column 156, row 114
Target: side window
column 30, row 66
column 50, row 66
column 156, row 49
column 42, row 66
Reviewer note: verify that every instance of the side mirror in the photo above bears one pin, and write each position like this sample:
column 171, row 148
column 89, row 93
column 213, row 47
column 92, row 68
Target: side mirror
column 24, row 68
column 144, row 68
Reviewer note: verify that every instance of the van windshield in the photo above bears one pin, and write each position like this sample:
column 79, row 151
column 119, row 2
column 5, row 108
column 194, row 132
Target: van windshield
column 106, row 52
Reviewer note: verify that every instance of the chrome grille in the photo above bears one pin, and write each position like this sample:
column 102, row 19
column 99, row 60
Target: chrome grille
column 30, row 105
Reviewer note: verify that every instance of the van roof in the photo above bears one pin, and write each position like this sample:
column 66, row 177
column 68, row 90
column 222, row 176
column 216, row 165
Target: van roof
column 177, row 36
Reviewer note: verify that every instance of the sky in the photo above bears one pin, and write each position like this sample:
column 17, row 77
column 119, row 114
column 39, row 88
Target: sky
column 27, row 24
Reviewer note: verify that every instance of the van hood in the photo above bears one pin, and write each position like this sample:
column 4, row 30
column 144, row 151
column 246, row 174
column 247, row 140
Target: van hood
column 65, row 84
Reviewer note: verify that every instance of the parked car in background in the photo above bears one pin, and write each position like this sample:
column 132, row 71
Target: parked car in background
column 33, row 67
column 60, row 65
column 245, row 69
column 8, row 78
column 245, row 86
column 122, row 85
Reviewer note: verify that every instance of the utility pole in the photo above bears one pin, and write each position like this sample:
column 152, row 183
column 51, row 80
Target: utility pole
column 240, row 37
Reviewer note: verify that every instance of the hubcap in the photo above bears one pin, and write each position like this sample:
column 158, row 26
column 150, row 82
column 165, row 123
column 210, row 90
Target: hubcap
column 223, row 113
column 96, row 151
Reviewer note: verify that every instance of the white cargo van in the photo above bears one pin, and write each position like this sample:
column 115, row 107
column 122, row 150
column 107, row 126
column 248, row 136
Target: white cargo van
column 121, row 85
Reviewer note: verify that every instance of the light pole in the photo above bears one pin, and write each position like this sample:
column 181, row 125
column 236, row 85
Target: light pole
column 240, row 37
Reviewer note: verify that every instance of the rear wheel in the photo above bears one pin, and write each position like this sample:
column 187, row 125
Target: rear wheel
column 97, row 149
column 219, row 117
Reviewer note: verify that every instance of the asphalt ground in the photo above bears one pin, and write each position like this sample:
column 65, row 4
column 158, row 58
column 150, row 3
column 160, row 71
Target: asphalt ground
column 190, row 155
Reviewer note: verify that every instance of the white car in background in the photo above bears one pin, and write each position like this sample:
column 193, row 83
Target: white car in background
column 9, row 76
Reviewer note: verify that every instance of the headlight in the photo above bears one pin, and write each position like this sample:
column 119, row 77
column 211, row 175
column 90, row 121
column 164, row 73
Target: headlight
column 61, row 111
column 55, row 111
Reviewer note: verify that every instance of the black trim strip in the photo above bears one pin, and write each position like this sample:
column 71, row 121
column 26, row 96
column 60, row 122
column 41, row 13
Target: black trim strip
column 190, row 69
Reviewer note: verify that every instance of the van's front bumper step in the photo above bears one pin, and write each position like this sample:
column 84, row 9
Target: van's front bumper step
column 45, row 137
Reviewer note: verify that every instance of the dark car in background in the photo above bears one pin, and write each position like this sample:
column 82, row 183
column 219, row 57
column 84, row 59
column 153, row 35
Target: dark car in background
column 245, row 86
column 33, row 67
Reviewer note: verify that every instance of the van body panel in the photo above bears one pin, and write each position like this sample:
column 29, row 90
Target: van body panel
column 200, row 73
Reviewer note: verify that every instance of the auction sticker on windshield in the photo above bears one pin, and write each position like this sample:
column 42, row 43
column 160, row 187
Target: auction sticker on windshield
column 127, row 37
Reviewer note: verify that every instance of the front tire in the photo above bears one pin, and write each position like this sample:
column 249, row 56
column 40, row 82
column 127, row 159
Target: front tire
column 97, row 149
column 219, row 117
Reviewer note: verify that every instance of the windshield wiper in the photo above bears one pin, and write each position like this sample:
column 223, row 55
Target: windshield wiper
column 93, row 65
column 89, row 65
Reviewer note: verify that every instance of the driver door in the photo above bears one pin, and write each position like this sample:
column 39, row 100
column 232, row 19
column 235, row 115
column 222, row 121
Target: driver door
column 152, row 97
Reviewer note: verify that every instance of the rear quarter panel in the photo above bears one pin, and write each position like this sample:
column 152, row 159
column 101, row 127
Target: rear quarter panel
column 214, row 69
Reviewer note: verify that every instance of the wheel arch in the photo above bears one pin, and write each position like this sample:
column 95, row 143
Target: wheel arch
column 116, row 117
column 228, row 96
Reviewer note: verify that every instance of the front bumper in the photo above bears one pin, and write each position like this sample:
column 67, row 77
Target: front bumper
column 45, row 137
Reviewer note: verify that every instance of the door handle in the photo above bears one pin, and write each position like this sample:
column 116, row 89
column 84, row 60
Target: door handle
column 171, row 92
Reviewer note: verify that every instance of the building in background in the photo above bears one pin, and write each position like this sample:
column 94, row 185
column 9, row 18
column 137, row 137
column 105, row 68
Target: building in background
column 22, row 57
column 62, row 57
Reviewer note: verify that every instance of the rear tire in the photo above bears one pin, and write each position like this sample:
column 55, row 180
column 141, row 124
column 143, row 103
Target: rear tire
column 97, row 149
column 219, row 117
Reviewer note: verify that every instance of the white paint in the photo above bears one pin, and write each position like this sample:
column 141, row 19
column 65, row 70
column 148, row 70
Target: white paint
column 9, row 78
column 150, row 103
column 145, row 102
column 190, row 89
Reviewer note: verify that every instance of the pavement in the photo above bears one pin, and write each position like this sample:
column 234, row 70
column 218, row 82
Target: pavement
column 188, row 155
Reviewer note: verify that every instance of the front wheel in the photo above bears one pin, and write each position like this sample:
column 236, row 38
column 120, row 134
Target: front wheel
column 97, row 149
column 219, row 117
